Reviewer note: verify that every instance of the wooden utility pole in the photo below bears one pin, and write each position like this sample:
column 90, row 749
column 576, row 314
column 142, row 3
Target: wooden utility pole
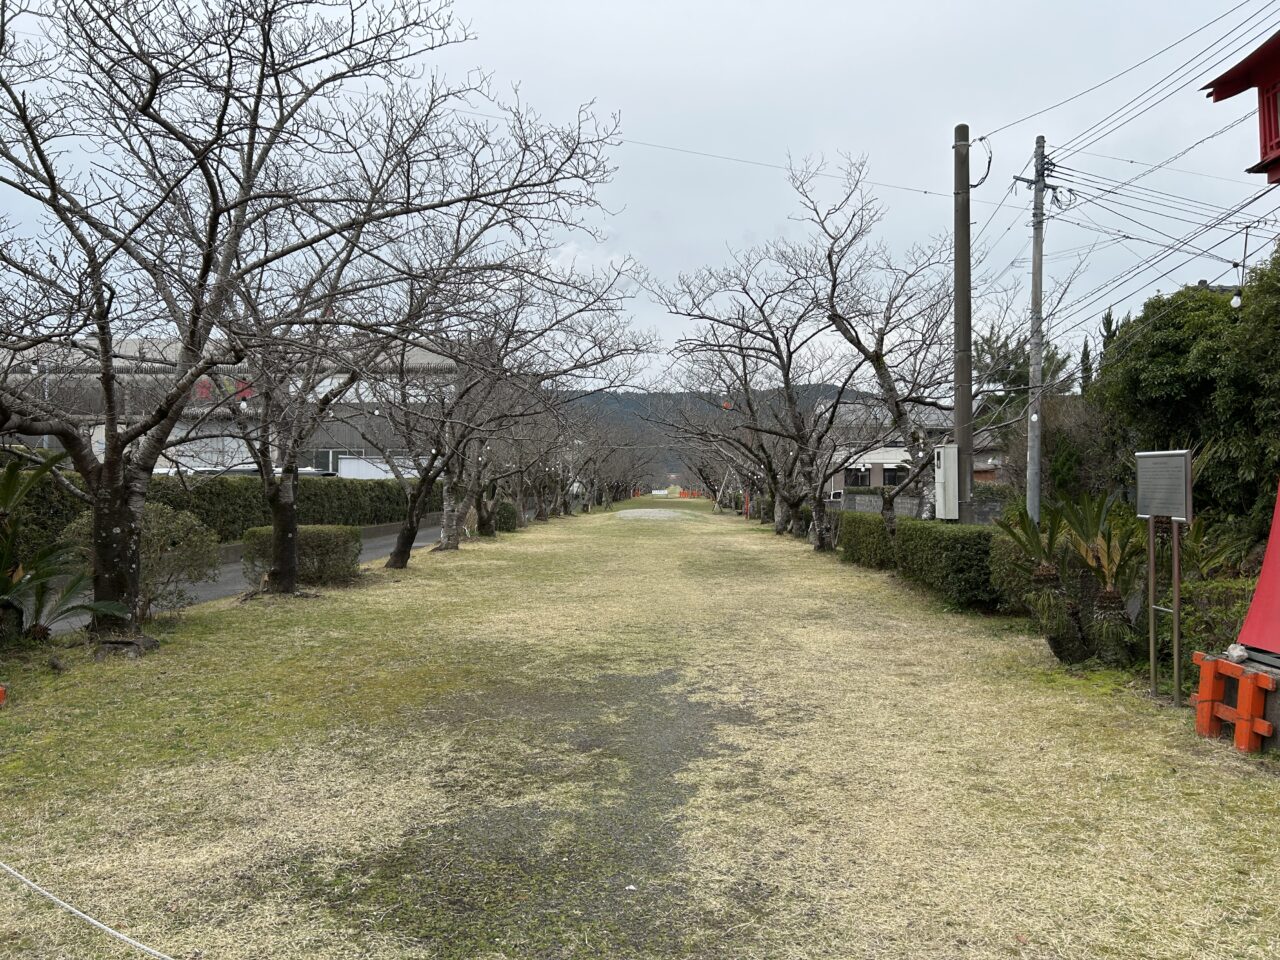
column 963, row 328
column 1035, row 380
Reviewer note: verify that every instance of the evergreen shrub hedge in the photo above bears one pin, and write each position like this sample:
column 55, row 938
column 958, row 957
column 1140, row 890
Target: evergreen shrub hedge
column 864, row 540
column 327, row 554
column 1010, row 574
column 229, row 505
column 953, row 559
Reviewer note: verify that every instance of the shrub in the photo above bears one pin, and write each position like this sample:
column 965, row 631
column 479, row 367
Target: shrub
column 954, row 559
column 177, row 551
column 1010, row 575
column 42, row 587
column 229, row 505
column 506, row 518
column 987, row 491
column 1213, row 612
column 806, row 517
column 864, row 539
column 327, row 554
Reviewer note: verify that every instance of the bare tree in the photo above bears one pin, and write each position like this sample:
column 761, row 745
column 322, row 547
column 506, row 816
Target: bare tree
column 894, row 311
column 763, row 353
column 148, row 142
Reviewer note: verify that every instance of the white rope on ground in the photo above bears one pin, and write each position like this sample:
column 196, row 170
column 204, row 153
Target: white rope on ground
column 83, row 916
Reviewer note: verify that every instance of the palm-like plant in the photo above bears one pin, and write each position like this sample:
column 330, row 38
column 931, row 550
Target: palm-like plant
column 1109, row 550
column 47, row 588
column 1039, row 542
column 1105, row 544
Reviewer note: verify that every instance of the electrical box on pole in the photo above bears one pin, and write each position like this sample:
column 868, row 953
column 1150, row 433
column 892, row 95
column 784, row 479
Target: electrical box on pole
column 946, row 481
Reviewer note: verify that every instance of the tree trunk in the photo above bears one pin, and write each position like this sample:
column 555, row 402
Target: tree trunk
column 818, row 534
column 781, row 515
column 541, row 499
column 486, row 514
column 797, row 527
column 449, row 536
column 890, row 518
column 117, row 555
column 283, row 575
column 522, row 518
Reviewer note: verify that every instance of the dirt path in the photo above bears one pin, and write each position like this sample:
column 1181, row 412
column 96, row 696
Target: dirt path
column 624, row 737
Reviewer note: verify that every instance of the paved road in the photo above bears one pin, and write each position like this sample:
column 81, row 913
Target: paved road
column 231, row 581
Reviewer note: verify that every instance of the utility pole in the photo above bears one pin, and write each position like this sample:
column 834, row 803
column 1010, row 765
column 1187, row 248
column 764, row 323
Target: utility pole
column 1035, row 381
column 963, row 328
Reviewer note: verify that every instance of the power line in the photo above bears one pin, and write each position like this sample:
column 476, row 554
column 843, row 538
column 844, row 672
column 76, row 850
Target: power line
column 1139, row 196
column 1117, row 76
column 1166, row 86
column 1088, row 300
column 750, row 162
column 1161, row 167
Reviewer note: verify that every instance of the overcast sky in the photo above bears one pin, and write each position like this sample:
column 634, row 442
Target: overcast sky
column 888, row 80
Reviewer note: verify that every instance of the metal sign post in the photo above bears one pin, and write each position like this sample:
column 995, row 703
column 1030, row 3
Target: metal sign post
column 1164, row 490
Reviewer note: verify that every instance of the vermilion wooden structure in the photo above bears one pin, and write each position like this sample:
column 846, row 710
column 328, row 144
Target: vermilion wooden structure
column 1261, row 628
column 1251, row 699
column 1260, row 69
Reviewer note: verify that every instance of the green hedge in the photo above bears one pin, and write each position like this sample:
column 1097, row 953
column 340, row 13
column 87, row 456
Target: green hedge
column 953, row 559
column 1010, row 574
column 864, row 540
column 230, row 505
column 327, row 554
column 987, row 491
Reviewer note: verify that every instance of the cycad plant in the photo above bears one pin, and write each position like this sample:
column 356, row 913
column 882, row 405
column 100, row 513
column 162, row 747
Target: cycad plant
column 1085, row 558
column 1038, row 542
column 47, row 587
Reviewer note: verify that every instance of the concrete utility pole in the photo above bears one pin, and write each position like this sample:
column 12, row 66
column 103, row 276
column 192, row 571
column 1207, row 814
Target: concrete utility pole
column 1036, row 350
column 963, row 328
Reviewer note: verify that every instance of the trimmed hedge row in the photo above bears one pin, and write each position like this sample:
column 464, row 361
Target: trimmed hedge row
column 952, row 558
column 327, row 554
column 863, row 539
column 1010, row 575
column 230, row 505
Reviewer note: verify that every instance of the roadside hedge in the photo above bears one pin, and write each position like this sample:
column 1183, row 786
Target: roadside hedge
column 954, row 559
column 327, row 554
column 229, row 505
column 1010, row 576
column 864, row 540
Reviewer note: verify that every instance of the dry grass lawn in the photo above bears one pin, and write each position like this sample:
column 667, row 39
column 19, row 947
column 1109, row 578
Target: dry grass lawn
column 606, row 738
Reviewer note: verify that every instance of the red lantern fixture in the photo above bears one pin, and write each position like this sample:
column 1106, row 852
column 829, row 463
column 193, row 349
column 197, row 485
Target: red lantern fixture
column 1260, row 69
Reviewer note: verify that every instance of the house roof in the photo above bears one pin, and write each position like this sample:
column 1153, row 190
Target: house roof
column 1256, row 68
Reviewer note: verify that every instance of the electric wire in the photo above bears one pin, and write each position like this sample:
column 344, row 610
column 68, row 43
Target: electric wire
column 1186, row 73
column 1155, row 202
column 1087, row 301
column 1117, row 76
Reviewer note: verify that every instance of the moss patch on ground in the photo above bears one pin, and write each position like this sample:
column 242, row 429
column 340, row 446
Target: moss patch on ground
column 622, row 738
